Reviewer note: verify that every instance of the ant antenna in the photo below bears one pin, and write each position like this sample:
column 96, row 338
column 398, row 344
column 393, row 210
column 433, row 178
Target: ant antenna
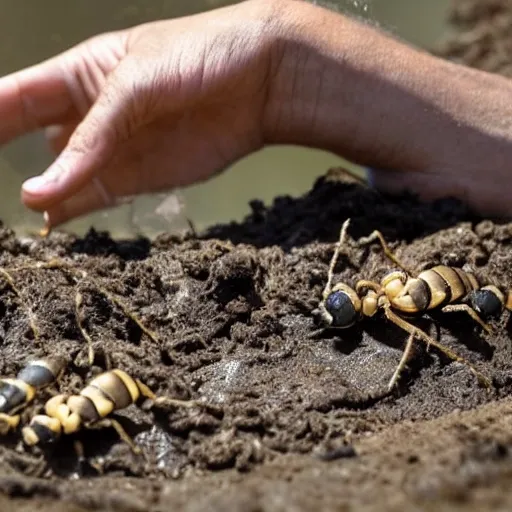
column 335, row 256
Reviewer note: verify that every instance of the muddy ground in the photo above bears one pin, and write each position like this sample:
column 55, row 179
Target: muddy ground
column 284, row 420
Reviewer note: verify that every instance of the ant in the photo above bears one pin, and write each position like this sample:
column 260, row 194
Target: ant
column 400, row 293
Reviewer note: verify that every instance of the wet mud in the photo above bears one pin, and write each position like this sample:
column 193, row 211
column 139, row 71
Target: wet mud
column 283, row 417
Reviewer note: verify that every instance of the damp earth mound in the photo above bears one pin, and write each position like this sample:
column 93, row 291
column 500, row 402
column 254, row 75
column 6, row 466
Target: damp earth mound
column 278, row 418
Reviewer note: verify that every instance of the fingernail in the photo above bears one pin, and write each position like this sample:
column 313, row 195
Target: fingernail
column 35, row 185
column 39, row 184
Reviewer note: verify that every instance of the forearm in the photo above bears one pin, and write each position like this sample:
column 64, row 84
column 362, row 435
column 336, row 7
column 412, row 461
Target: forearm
column 346, row 87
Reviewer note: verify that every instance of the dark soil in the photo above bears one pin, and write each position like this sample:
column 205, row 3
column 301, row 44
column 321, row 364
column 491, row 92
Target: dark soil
column 286, row 421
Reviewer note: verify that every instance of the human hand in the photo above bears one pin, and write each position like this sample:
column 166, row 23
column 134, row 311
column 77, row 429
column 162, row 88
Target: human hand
column 170, row 103
column 161, row 105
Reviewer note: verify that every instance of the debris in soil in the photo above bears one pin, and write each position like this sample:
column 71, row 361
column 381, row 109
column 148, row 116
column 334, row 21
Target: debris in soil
column 226, row 320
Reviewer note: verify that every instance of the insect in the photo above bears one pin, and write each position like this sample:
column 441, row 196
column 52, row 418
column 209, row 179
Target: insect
column 400, row 294
column 108, row 392
column 17, row 393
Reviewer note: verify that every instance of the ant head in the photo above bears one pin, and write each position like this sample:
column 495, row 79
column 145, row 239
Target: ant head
column 342, row 307
column 487, row 301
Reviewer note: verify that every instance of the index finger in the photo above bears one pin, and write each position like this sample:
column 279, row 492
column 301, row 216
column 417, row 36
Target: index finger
column 33, row 98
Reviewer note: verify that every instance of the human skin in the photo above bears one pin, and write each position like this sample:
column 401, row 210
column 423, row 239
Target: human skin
column 173, row 102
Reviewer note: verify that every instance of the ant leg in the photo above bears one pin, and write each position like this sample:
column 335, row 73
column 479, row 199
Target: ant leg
column 164, row 400
column 418, row 333
column 313, row 335
column 369, row 285
column 377, row 235
column 173, row 402
column 403, row 362
column 470, row 311
column 144, row 390
column 334, row 259
column 78, row 446
column 109, row 422
column 321, row 310
column 82, row 461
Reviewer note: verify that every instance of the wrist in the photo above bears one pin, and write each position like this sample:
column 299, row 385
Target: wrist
column 315, row 77
column 339, row 85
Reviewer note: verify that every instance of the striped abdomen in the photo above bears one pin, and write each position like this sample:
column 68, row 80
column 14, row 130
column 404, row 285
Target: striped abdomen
column 108, row 392
column 14, row 393
column 434, row 288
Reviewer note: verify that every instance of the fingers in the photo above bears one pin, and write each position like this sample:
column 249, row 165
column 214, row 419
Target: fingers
column 94, row 196
column 60, row 89
column 33, row 98
column 89, row 149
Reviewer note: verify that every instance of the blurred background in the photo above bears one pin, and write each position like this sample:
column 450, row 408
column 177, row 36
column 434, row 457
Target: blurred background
column 31, row 31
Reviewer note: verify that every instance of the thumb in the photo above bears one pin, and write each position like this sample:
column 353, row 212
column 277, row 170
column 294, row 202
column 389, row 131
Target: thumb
column 89, row 149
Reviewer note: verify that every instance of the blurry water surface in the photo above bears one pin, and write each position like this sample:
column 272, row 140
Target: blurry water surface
column 32, row 30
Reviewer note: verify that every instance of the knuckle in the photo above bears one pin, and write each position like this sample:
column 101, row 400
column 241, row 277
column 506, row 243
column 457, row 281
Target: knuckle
column 132, row 90
column 85, row 139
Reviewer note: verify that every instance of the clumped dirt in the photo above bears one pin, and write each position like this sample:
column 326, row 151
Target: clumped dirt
column 285, row 421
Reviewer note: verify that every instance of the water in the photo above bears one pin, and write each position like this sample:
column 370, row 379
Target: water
column 31, row 31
